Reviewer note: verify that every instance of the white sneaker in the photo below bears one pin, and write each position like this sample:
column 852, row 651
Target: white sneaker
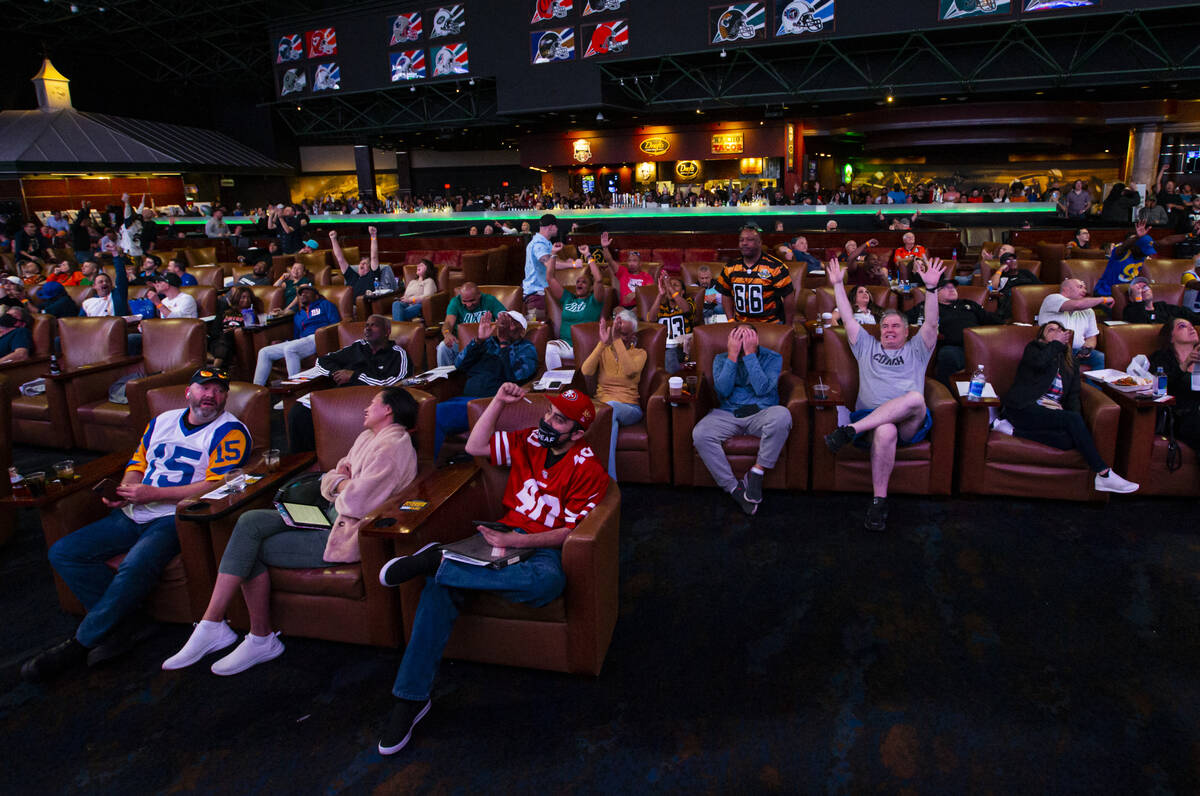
column 207, row 637
column 250, row 652
column 1114, row 483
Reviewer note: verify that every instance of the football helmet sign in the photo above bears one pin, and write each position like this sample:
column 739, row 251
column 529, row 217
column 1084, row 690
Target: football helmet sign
column 448, row 21
column 551, row 9
column 738, row 22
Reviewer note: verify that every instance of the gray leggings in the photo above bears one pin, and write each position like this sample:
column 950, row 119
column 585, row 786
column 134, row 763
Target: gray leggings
column 262, row 538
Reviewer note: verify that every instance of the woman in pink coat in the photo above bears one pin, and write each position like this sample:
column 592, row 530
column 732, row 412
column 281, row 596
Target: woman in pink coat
column 381, row 462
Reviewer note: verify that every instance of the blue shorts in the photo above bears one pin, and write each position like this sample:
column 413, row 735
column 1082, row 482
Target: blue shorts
column 863, row 440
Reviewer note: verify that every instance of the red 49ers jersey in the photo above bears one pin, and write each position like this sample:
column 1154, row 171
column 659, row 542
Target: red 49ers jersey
column 540, row 499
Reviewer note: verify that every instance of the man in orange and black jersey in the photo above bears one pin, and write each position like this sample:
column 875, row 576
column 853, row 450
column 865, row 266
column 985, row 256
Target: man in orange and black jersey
column 756, row 287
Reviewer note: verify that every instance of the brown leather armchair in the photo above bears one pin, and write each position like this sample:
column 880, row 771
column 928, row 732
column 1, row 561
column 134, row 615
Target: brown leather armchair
column 268, row 296
column 201, row 255
column 572, row 633
column 791, row 472
column 473, row 267
column 497, row 265
column 926, row 468
column 206, row 299
column 209, row 276
column 342, row 297
column 410, row 335
column 87, row 344
column 1141, row 453
column 1027, row 302
column 172, row 351
column 881, row 294
column 1088, row 270
column 339, row 602
column 511, row 296
column 644, row 448
column 994, row 463
column 1171, row 293
column 313, row 261
column 537, row 333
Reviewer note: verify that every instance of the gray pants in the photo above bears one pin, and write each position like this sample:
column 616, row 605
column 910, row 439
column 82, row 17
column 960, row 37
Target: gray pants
column 770, row 425
column 261, row 538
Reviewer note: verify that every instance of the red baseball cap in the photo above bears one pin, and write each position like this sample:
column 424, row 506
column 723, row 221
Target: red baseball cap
column 576, row 406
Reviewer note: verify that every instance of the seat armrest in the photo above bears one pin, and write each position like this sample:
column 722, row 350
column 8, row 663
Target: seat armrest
column 453, row 496
column 974, row 425
column 1103, row 418
column 684, row 416
column 590, row 558
column 944, row 410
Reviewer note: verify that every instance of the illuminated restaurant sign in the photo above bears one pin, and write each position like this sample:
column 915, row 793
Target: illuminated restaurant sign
column 583, row 150
column 645, row 172
column 727, row 144
column 791, row 147
column 654, row 146
column 686, row 169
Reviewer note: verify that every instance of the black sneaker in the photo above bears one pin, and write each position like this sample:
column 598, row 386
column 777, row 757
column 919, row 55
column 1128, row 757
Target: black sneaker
column 839, row 438
column 404, row 568
column 753, row 486
column 405, row 715
column 124, row 637
column 739, row 497
column 876, row 515
column 48, row 664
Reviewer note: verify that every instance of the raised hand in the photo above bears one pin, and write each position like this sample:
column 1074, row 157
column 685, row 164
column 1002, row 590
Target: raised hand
column 932, row 273
column 556, row 247
column 485, row 329
column 1141, row 228
column 835, row 272
column 509, row 393
column 605, row 239
column 372, row 231
column 333, row 234
column 606, row 331
column 584, row 250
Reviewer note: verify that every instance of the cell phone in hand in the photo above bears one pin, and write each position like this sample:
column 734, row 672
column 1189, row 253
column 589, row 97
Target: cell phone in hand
column 107, row 489
column 494, row 526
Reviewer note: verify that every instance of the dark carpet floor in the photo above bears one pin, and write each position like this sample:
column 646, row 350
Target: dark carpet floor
column 978, row 646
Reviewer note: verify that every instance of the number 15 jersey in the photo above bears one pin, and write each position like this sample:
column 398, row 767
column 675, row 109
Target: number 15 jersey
column 541, row 499
column 758, row 291
column 171, row 453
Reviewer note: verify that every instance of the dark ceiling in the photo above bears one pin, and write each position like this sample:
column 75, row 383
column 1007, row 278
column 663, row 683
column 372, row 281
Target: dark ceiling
column 206, row 65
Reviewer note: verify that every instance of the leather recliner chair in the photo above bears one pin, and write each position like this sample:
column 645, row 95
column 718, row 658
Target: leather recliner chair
column 923, row 469
column 173, row 348
column 791, row 471
column 87, row 344
column 994, row 463
column 338, row 602
column 1027, row 301
column 1142, row 453
column 573, row 632
column 644, row 448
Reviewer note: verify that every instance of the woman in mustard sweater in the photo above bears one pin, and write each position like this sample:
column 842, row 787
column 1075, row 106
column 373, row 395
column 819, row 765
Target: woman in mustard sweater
column 620, row 363
column 381, row 462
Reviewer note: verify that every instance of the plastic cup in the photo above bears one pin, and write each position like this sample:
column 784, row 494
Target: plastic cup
column 271, row 460
column 235, row 480
column 36, row 483
column 675, row 385
column 821, row 391
column 65, row 470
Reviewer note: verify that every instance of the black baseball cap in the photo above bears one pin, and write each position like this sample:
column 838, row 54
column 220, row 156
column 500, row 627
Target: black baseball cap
column 1008, row 257
column 171, row 279
column 307, row 286
column 206, row 375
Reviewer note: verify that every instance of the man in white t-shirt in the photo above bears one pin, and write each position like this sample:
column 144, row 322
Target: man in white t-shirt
column 101, row 304
column 1072, row 308
column 170, row 301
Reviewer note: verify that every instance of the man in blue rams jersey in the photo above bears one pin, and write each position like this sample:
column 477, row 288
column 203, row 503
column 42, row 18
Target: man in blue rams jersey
column 180, row 455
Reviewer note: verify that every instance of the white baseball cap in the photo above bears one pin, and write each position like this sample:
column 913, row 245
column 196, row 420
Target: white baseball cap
column 518, row 317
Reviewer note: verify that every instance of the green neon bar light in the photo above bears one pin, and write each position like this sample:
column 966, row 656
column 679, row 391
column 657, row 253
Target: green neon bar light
column 959, row 209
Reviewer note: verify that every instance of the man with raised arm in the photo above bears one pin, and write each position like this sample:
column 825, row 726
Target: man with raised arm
column 554, row 482
column 362, row 277
column 891, row 384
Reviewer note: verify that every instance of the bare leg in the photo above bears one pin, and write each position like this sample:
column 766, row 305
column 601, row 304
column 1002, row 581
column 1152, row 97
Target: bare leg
column 907, row 411
column 223, row 591
column 883, row 457
column 257, row 592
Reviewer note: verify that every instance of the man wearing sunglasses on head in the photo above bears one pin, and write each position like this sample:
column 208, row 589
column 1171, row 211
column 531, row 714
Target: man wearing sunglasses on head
column 180, row 455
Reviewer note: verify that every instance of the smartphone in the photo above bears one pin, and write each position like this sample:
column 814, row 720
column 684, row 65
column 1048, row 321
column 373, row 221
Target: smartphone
column 107, row 489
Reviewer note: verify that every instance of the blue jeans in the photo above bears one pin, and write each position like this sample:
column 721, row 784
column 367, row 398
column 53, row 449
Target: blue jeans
column 109, row 597
column 1095, row 360
column 405, row 312
column 623, row 415
column 537, row 580
column 446, row 354
column 451, row 419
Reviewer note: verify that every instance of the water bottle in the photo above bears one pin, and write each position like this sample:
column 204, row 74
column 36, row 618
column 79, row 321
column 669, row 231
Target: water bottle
column 1160, row 383
column 54, row 368
column 376, row 288
column 954, row 254
column 977, row 384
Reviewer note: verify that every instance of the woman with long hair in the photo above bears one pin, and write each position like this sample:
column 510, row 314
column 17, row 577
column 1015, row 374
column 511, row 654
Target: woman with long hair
column 1043, row 403
column 1177, row 354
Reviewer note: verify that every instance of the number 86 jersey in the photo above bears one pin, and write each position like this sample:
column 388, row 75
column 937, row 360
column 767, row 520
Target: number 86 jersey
column 758, row 290
column 540, row 499
column 171, row 453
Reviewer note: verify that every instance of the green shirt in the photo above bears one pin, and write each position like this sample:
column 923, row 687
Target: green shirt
column 487, row 303
column 577, row 310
